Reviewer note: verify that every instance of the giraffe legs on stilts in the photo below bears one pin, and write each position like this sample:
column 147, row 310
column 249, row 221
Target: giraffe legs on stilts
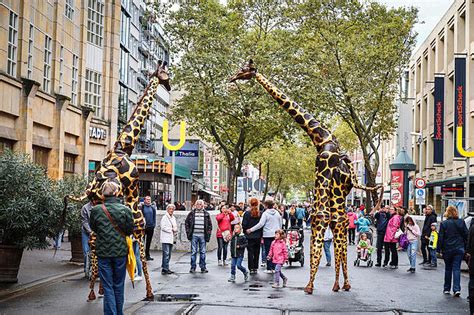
column 149, row 292
column 339, row 228
column 94, row 268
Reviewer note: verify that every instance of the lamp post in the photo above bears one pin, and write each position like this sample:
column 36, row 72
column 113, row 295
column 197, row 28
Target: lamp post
column 419, row 141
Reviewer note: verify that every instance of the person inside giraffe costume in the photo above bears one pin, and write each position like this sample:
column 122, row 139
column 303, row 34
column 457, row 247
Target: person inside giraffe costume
column 334, row 180
column 119, row 168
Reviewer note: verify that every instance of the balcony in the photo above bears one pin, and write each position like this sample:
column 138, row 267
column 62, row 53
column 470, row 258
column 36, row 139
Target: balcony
column 144, row 47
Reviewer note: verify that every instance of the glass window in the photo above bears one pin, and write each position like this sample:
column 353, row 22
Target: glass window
column 123, row 106
column 40, row 156
column 61, row 69
column 123, row 67
column 31, row 38
column 69, row 9
column 5, row 144
column 124, row 29
column 12, row 44
column 93, row 92
column 47, row 64
column 69, row 163
column 75, row 82
column 95, row 22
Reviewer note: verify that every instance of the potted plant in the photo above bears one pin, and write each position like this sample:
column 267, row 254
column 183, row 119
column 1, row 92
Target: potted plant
column 73, row 185
column 27, row 204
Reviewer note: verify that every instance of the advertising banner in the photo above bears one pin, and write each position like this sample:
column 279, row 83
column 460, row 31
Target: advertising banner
column 459, row 99
column 438, row 136
column 396, row 189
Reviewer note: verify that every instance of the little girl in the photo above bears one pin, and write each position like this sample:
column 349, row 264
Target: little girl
column 364, row 246
column 278, row 255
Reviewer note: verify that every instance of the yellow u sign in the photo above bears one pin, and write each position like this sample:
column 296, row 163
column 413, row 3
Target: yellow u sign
column 182, row 136
column 459, row 144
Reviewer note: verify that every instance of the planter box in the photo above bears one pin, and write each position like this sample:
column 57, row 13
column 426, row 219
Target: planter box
column 76, row 250
column 10, row 259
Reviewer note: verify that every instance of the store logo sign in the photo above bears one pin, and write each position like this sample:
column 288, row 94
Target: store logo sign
column 97, row 133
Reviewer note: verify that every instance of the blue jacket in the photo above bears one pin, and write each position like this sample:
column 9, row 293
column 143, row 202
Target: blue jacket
column 300, row 213
column 149, row 213
column 452, row 235
column 382, row 221
column 363, row 225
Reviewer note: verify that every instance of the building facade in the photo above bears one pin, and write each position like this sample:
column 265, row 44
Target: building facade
column 442, row 86
column 58, row 76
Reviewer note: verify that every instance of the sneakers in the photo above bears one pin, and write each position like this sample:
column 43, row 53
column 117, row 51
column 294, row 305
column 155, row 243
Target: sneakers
column 457, row 294
column 224, row 262
column 219, row 263
column 192, row 270
column 412, row 270
column 378, row 265
column 231, row 279
column 393, row 267
column 246, row 276
column 446, row 292
column 268, row 271
column 285, row 281
column 433, row 265
column 138, row 278
column 204, row 270
column 424, row 262
column 275, row 285
column 149, row 258
column 328, row 264
column 166, row 272
column 263, row 264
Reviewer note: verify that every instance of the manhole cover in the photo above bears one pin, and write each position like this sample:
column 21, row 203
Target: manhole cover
column 174, row 297
column 256, row 285
column 274, row 296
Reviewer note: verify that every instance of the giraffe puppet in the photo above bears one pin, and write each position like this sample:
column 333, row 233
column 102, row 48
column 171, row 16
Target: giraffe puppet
column 334, row 180
column 118, row 167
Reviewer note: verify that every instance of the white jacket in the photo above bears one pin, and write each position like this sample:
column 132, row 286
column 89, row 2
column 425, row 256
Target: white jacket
column 168, row 229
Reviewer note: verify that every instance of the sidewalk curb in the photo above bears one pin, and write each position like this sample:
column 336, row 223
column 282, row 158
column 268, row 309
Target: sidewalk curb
column 7, row 294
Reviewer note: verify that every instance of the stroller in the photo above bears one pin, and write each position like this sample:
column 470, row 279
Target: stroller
column 294, row 242
column 368, row 259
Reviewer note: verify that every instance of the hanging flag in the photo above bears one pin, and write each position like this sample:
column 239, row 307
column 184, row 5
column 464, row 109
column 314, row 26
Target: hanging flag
column 459, row 99
column 438, row 136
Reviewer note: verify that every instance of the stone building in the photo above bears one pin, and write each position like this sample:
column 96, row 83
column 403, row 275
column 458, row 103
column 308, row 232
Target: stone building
column 59, row 78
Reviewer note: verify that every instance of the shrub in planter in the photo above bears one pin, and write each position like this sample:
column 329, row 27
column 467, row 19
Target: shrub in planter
column 28, row 203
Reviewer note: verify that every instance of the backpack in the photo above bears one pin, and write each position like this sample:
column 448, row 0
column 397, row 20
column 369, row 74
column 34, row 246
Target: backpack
column 403, row 241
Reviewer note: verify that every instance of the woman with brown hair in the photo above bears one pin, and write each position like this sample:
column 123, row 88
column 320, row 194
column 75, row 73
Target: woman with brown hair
column 452, row 243
column 250, row 219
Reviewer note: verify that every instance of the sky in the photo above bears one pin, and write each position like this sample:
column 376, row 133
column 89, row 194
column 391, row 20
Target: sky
column 429, row 14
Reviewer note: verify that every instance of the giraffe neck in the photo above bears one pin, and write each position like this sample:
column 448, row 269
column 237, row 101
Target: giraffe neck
column 316, row 131
column 128, row 138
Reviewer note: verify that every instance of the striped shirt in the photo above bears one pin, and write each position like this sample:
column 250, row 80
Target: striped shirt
column 198, row 223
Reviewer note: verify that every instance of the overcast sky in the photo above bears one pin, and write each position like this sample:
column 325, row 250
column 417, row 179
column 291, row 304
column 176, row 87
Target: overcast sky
column 429, row 14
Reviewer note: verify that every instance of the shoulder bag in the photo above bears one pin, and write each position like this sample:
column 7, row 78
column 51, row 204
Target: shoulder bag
column 131, row 260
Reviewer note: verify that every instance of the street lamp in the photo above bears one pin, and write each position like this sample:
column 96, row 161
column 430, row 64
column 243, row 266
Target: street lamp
column 419, row 140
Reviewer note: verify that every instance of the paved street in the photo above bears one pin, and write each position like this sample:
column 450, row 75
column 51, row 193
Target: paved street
column 373, row 290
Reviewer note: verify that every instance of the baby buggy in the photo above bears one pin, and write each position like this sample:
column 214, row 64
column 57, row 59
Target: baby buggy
column 294, row 242
column 368, row 257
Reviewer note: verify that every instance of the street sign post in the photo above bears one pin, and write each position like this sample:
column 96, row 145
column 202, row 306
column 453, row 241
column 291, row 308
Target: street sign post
column 420, row 194
column 259, row 185
column 420, row 183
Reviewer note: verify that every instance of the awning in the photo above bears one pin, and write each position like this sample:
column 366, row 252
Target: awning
column 211, row 193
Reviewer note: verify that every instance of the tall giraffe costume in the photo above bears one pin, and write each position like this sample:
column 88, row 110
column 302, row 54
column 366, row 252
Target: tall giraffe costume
column 334, row 180
column 118, row 167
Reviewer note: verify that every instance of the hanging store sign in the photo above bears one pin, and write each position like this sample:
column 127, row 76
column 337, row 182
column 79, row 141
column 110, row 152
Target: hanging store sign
column 97, row 133
column 459, row 100
column 438, row 136
column 396, row 191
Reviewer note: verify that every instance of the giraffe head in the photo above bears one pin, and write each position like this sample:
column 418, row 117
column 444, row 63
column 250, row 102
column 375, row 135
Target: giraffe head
column 162, row 74
column 247, row 72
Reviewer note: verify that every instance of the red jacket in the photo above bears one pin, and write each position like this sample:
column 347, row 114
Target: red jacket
column 352, row 218
column 278, row 252
column 223, row 223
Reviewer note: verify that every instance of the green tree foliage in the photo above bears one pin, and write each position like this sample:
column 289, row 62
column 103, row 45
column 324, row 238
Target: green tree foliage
column 354, row 53
column 211, row 41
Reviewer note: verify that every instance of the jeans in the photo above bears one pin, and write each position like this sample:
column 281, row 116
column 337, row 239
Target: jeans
column 198, row 241
column 424, row 249
column 262, row 249
column 237, row 262
column 85, row 249
column 327, row 250
column 352, row 234
column 278, row 274
column 253, row 251
column 112, row 276
column 58, row 239
column 433, row 258
column 165, row 263
column 221, row 249
column 148, row 236
column 379, row 246
column 452, row 271
column 267, row 241
column 300, row 223
column 471, row 292
column 136, row 251
column 411, row 251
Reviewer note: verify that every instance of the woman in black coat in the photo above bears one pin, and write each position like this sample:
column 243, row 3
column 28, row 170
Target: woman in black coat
column 250, row 219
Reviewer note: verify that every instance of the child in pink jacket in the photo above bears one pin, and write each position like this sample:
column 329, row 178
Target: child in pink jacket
column 278, row 255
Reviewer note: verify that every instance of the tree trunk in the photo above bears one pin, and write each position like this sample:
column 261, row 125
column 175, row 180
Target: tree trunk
column 231, row 184
column 267, row 175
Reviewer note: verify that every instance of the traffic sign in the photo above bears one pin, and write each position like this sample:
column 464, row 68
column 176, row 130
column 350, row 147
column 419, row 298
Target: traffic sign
column 259, row 185
column 247, row 184
column 420, row 183
column 420, row 194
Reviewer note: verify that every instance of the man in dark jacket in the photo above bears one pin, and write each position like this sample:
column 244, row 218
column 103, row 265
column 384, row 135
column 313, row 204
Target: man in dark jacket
column 198, row 226
column 430, row 217
column 149, row 213
column 111, row 246
column 382, row 217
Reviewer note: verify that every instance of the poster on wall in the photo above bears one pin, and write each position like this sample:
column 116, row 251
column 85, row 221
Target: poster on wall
column 396, row 189
column 459, row 99
column 460, row 204
column 438, row 134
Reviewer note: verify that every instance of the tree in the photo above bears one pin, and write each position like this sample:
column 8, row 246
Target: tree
column 354, row 54
column 211, row 41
